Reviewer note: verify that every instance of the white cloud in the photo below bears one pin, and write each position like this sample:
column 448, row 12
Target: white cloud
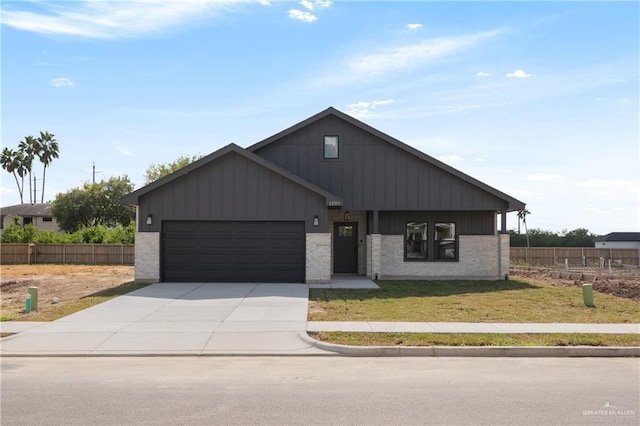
column 413, row 26
column 404, row 57
column 365, row 109
column 306, row 4
column 545, row 177
column 114, row 19
column 264, row 2
column 62, row 82
column 324, row 3
column 301, row 15
column 518, row 74
column 483, row 74
column 610, row 185
column 125, row 151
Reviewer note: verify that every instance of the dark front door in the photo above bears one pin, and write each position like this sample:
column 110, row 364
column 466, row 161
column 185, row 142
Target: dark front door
column 345, row 247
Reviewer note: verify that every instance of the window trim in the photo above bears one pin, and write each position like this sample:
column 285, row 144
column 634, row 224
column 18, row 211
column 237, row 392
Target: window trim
column 431, row 242
column 324, row 147
column 426, row 242
column 455, row 242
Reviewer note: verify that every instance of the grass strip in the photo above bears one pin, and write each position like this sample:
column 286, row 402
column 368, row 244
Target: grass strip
column 476, row 339
column 514, row 300
column 54, row 312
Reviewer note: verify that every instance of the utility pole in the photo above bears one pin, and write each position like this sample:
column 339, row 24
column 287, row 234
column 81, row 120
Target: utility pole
column 94, row 172
column 34, row 190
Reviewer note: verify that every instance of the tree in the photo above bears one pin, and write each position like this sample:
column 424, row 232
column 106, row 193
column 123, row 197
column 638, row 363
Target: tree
column 94, row 204
column 14, row 163
column 29, row 148
column 522, row 215
column 47, row 150
column 540, row 238
column 579, row 237
column 157, row 171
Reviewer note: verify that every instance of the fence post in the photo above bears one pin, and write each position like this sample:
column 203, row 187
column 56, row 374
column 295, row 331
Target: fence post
column 122, row 254
column 64, row 254
column 93, row 254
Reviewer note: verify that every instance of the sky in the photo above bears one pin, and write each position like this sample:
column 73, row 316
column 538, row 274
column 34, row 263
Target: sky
column 537, row 99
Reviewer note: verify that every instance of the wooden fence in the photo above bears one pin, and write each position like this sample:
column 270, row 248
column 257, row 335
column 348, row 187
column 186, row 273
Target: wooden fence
column 574, row 256
column 123, row 254
column 77, row 254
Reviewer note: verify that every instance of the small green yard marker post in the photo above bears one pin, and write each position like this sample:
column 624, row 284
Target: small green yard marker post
column 33, row 291
column 27, row 303
column 587, row 295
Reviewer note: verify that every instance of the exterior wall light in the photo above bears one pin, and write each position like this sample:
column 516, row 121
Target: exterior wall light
column 347, row 215
column 150, row 220
column 316, row 221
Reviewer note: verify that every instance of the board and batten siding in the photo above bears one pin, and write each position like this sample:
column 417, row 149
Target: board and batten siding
column 231, row 188
column 467, row 222
column 372, row 174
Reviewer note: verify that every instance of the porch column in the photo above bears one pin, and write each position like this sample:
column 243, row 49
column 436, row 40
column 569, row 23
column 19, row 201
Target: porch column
column 375, row 227
column 503, row 222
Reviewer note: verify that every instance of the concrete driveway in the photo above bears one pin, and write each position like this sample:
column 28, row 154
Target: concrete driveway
column 185, row 318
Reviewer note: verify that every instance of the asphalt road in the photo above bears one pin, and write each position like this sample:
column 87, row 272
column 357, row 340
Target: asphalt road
column 319, row 390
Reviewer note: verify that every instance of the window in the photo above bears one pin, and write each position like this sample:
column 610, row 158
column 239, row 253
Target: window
column 416, row 240
column 330, row 148
column 345, row 231
column 47, row 219
column 445, row 241
column 27, row 221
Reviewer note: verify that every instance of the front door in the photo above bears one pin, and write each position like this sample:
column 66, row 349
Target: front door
column 345, row 247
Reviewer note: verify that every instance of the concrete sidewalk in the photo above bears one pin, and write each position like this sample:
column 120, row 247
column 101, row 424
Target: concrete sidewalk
column 171, row 319
column 468, row 327
column 376, row 327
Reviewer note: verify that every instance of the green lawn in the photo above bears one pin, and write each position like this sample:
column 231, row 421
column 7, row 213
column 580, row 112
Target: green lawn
column 469, row 301
column 479, row 339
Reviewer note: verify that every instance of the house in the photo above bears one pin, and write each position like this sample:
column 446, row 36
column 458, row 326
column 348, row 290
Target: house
column 329, row 195
column 619, row 240
column 38, row 215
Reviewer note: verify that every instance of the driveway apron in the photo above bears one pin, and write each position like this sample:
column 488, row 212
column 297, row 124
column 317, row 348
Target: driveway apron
column 180, row 318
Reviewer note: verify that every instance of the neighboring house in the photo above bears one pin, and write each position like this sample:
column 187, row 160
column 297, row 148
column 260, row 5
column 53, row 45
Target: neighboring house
column 330, row 195
column 619, row 240
column 38, row 215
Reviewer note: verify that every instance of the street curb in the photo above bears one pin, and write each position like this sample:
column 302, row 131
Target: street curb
column 480, row 351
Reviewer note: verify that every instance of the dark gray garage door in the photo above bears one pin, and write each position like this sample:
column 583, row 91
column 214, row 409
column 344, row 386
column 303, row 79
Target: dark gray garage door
column 207, row 251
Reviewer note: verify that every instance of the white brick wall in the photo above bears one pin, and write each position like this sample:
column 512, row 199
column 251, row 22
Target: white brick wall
column 374, row 253
column 506, row 254
column 147, row 258
column 318, row 258
column 478, row 259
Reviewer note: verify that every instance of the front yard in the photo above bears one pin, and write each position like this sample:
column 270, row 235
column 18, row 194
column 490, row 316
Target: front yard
column 516, row 301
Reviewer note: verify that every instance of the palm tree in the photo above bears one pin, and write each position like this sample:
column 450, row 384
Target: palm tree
column 47, row 150
column 13, row 162
column 29, row 149
column 522, row 215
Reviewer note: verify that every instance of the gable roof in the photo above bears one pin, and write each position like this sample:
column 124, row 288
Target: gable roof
column 620, row 236
column 513, row 204
column 26, row 209
column 132, row 198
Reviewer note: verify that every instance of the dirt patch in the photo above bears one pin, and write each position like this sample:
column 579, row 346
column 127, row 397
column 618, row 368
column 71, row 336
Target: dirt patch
column 621, row 283
column 65, row 282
